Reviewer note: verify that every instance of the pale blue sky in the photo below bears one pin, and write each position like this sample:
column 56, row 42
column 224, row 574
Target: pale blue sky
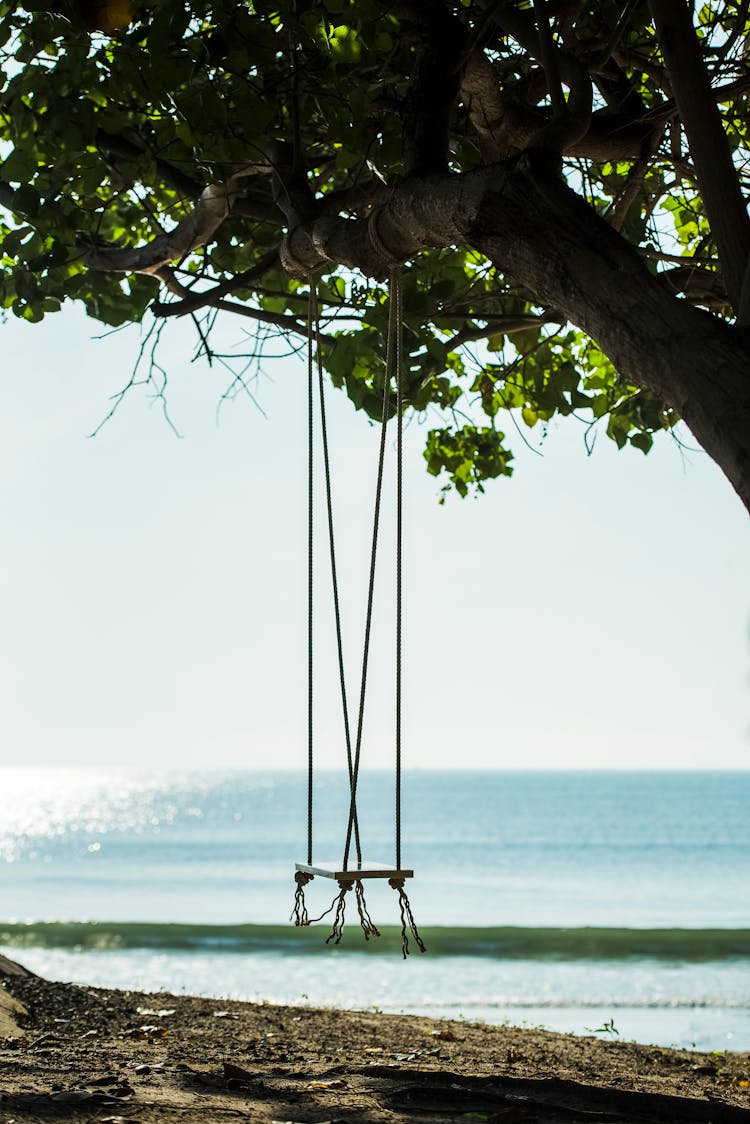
column 590, row 612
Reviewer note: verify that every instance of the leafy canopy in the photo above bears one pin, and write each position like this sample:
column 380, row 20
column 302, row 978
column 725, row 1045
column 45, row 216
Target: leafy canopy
column 117, row 114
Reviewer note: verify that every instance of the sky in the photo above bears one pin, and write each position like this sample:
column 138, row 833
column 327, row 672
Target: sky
column 590, row 612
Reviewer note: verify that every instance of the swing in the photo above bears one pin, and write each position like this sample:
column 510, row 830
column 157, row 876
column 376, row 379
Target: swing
column 352, row 875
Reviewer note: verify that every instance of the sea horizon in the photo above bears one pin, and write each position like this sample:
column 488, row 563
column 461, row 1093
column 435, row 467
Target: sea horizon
column 301, row 769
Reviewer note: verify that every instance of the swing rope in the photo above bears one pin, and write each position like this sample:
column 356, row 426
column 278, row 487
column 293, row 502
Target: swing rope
column 310, row 588
column 314, row 328
column 397, row 298
column 393, row 370
column 371, row 585
column 313, row 361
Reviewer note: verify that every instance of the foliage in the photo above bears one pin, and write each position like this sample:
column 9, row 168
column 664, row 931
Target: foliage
column 115, row 115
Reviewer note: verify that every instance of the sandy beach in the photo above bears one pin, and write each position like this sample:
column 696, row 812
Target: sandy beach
column 79, row 1054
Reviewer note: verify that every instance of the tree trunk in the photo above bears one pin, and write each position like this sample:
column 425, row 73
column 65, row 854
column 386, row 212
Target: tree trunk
column 544, row 236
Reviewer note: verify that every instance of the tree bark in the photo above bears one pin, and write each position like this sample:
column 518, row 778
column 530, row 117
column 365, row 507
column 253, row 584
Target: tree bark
column 551, row 242
column 522, row 216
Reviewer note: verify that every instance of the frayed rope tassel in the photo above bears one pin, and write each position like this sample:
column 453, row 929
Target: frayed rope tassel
column 369, row 928
column 339, row 902
column 408, row 924
column 299, row 913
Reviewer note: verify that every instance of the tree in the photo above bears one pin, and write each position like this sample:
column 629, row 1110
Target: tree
column 561, row 183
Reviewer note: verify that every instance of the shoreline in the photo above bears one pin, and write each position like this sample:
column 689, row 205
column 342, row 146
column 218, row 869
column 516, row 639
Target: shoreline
column 697, row 1004
column 94, row 1054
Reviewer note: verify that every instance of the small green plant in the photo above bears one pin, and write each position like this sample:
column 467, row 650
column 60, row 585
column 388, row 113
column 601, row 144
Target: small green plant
column 606, row 1028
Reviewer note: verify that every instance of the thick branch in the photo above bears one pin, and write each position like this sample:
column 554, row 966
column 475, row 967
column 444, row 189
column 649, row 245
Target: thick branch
column 570, row 120
column 194, row 230
column 503, row 125
column 712, row 157
column 198, row 228
column 501, row 325
column 424, row 211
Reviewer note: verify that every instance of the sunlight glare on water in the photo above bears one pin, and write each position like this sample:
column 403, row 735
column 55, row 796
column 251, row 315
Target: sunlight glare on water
column 42, row 805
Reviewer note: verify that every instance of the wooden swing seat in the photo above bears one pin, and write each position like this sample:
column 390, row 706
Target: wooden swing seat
column 354, row 872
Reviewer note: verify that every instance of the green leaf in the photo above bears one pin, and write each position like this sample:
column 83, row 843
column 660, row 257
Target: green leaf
column 26, row 201
column 20, row 166
column 642, row 441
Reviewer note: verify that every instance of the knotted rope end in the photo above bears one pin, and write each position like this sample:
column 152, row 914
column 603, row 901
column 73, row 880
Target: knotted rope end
column 339, row 902
column 299, row 912
column 369, row 928
column 408, row 924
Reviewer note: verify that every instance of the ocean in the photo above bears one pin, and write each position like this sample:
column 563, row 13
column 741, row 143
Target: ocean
column 612, row 903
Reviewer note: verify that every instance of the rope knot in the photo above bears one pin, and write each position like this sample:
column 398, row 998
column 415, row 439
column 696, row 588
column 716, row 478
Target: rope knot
column 393, row 239
column 302, row 251
column 299, row 912
column 376, row 240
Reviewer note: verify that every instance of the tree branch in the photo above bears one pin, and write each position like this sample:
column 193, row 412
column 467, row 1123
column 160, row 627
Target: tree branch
column 503, row 125
column 114, row 144
column 192, row 301
column 359, row 197
column 186, row 185
column 195, row 230
column 737, row 32
column 571, row 121
column 501, row 325
column 540, row 233
column 547, row 54
column 717, row 176
column 703, row 287
column 213, row 206
column 291, row 191
column 179, row 308
column 633, row 186
column 605, row 54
